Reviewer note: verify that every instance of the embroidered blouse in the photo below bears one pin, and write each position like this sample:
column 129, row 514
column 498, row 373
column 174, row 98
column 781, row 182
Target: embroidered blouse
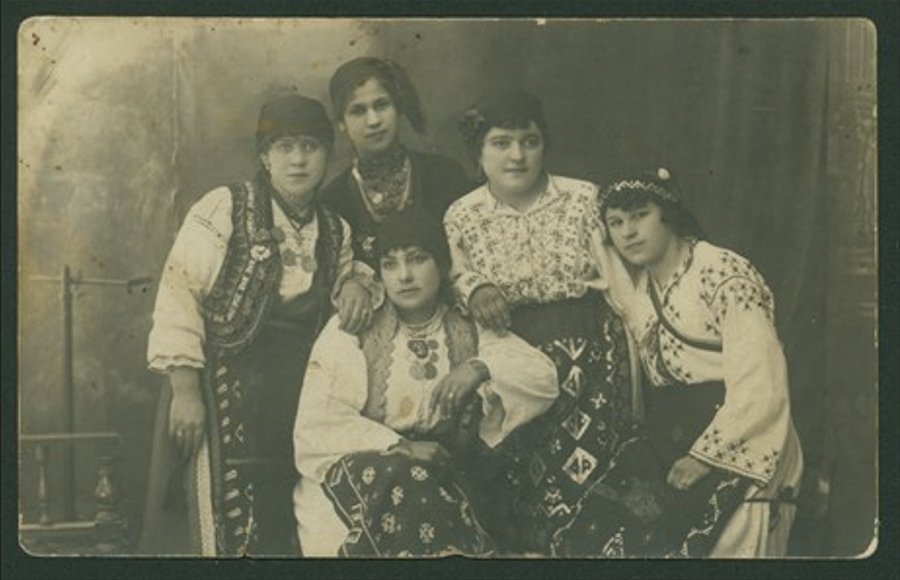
column 177, row 336
column 723, row 311
column 330, row 423
column 538, row 255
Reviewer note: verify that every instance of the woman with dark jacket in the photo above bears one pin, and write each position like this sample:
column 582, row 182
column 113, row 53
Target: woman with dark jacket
column 369, row 95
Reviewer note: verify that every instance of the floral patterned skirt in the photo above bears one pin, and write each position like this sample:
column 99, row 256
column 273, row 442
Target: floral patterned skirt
column 396, row 507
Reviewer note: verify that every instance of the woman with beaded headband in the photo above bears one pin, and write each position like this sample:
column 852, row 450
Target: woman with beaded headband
column 369, row 95
column 717, row 410
column 520, row 247
column 252, row 277
column 388, row 421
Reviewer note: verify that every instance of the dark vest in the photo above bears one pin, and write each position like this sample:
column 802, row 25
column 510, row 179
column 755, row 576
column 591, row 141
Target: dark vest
column 240, row 298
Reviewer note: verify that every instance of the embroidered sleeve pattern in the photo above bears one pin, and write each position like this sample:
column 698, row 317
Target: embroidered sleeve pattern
column 177, row 337
column 751, row 427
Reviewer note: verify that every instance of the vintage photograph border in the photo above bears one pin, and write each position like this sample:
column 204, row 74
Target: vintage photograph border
column 881, row 564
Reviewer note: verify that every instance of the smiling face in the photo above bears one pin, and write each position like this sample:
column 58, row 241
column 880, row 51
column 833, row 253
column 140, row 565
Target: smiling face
column 296, row 166
column 411, row 278
column 640, row 234
column 370, row 119
column 513, row 159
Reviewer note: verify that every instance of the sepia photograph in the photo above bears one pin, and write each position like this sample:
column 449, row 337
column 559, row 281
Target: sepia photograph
column 560, row 288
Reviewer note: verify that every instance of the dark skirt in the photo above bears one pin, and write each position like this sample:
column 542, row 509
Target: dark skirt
column 586, row 479
column 251, row 401
column 395, row 506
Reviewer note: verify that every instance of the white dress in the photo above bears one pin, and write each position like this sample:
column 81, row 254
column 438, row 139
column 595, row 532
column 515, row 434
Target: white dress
column 330, row 425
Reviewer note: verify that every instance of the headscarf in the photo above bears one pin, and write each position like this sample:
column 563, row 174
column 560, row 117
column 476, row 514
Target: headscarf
column 293, row 115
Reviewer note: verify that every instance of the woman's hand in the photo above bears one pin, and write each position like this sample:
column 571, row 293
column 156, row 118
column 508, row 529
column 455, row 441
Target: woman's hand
column 187, row 413
column 452, row 392
column 489, row 308
column 422, row 451
column 354, row 307
column 687, row 471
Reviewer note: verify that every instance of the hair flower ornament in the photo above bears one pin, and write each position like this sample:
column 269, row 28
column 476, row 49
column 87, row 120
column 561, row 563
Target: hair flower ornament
column 663, row 174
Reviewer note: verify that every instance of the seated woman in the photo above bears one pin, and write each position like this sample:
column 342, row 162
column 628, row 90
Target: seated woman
column 370, row 96
column 386, row 420
column 521, row 255
column 718, row 412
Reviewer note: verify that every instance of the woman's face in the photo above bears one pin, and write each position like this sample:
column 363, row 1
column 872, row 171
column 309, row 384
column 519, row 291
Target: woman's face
column 296, row 166
column 411, row 278
column 639, row 234
column 513, row 159
column 370, row 119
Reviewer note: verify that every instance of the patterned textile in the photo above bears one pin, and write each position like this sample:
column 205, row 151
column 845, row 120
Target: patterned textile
column 251, row 389
column 550, row 464
column 538, row 255
column 398, row 507
column 713, row 321
column 434, row 183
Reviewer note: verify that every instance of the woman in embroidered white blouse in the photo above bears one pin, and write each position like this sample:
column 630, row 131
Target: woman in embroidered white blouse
column 387, row 421
column 521, row 256
column 246, row 288
column 703, row 317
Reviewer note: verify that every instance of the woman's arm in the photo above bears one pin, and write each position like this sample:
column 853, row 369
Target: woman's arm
column 749, row 430
column 177, row 336
column 522, row 386
column 357, row 292
column 329, row 422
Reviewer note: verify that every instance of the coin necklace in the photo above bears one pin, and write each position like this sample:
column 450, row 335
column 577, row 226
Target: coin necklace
column 424, row 348
column 288, row 256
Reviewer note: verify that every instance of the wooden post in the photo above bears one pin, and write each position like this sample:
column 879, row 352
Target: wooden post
column 40, row 456
column 68, row 397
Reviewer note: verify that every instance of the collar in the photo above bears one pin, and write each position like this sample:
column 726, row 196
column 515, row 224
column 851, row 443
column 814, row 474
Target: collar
column 550, row 195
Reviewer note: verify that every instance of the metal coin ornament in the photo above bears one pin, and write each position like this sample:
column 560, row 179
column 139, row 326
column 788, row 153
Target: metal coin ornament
column 426, row 352
column 308, row 263
column 288, row 257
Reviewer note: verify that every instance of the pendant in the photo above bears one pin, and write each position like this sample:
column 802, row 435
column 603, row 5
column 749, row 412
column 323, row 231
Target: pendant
column 418, row 347
column 421, row 371
column 278, row 234
column 308, row 263
column 377, row 198
column 417, row 371
column 288, row 257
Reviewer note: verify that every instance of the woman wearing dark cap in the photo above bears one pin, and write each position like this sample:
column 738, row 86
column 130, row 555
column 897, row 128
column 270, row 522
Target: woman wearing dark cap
column 718, row 407
column 387, row 420
column 369, row 96
column 521, row 258
column 251, row 279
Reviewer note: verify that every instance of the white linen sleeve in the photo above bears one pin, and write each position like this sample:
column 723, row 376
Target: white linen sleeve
column 465, row 279
column 329, row 423
column 749, row 430
column 523, row 384
column 177, row 336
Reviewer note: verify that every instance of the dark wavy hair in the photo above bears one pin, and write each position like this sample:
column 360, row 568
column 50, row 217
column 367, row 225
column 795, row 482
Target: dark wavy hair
column 392, row 78
column 505, row 110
